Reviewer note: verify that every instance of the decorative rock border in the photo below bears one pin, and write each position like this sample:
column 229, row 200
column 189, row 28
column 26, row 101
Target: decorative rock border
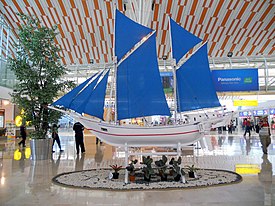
column 98, row 179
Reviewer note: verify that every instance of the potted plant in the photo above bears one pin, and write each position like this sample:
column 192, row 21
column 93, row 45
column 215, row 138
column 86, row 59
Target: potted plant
column 147, row 169
column 177, row 172
column 116, row 169
column 162, row 168
column 192, row 171
column 131, row 169
column 39, row 73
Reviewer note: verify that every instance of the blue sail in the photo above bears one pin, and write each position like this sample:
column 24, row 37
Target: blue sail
column 195, row 89
column 94, row 104
column 67, row 99
column 182, row 40
column 84, row 95
column 139, row 88
column 127, row 34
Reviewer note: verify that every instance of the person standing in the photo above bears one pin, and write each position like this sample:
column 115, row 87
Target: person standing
column 230, row 127
column 264, row 134
column 79, row 142
column 252, row 127
column 55, row 137
column 247, row 128
column 23, row 135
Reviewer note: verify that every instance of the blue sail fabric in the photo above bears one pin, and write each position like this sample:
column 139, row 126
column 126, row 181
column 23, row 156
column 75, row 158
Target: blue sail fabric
column 139, row 88
column 94, row 105
column 195, row 89
column 127, row 34
column 84, row 95
column 182, row 40
column 67, row 99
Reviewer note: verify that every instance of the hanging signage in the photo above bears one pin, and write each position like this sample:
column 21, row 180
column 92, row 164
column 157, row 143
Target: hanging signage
column 260, row 112
column 245, row 114
column 167, row 81
column 271, row 111
column 166, row 74
column 247, row 103
column 236, row 80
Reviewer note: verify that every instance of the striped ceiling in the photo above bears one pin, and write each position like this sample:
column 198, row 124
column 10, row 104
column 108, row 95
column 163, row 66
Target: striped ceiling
column 244, row 27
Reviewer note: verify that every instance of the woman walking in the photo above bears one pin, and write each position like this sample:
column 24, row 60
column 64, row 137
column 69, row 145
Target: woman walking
column 264, row 134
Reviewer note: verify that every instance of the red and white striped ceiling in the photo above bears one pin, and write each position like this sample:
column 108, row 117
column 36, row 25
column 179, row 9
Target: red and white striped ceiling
column 245, row 27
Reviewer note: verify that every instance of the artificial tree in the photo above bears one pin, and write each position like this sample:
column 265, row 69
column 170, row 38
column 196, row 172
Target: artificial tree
column 38, row 73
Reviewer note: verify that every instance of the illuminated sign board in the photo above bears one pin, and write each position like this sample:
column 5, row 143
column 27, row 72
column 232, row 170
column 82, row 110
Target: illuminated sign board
column 271, row 111
column 236, row 80
column 245, row 114
column 260, row 112
column 245, row 103
column 167, row 81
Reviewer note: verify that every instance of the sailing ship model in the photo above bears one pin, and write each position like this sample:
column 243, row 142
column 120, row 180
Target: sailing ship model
column 139, row 92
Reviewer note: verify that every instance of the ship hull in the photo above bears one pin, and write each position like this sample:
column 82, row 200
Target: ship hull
column 131, row 135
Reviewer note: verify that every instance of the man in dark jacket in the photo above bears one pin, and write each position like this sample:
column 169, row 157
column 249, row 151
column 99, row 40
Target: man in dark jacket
column 23, row 135
column 55, row 137
column 78, row 128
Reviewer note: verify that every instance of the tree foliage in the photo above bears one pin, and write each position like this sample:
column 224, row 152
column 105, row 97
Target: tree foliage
column 39, row 74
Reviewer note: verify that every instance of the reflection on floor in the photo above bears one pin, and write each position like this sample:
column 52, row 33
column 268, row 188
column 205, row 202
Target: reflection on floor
column 27, row 182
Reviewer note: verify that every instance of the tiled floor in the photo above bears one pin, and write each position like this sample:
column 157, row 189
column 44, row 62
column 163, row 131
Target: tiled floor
column 27, row 182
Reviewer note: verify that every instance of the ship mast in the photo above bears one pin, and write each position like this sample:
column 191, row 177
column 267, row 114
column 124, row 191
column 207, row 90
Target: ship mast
column 113, row 83
column 174, row 78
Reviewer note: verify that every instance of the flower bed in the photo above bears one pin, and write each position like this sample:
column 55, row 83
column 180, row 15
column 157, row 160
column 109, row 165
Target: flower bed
column 98, row 179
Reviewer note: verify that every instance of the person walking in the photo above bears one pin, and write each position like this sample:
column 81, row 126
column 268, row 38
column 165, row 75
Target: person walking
column 55, row 137
column 23, row 135
column 79, row 141
column 264, row 134
column 247, row 128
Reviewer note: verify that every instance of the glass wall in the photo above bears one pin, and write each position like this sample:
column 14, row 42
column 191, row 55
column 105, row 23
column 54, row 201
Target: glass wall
column 7, row 78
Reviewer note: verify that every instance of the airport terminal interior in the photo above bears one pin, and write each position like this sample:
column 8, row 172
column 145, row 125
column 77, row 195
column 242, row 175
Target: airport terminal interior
column 237, row 38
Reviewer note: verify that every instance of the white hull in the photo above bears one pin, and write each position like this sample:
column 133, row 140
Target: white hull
column 216, row 122
column 224, row 121
column 131, row 135
column 134, row 135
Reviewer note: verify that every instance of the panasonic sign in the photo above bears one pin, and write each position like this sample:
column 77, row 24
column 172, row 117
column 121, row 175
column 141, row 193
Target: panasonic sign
column 236, row 80
column 229, row 79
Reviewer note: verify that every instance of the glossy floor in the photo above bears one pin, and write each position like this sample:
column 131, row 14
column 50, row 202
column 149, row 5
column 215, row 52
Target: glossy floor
column 27, row 182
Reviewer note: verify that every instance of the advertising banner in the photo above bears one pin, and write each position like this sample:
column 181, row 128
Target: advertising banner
column 167, row 81
column 11, row 129
column 235, row 80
